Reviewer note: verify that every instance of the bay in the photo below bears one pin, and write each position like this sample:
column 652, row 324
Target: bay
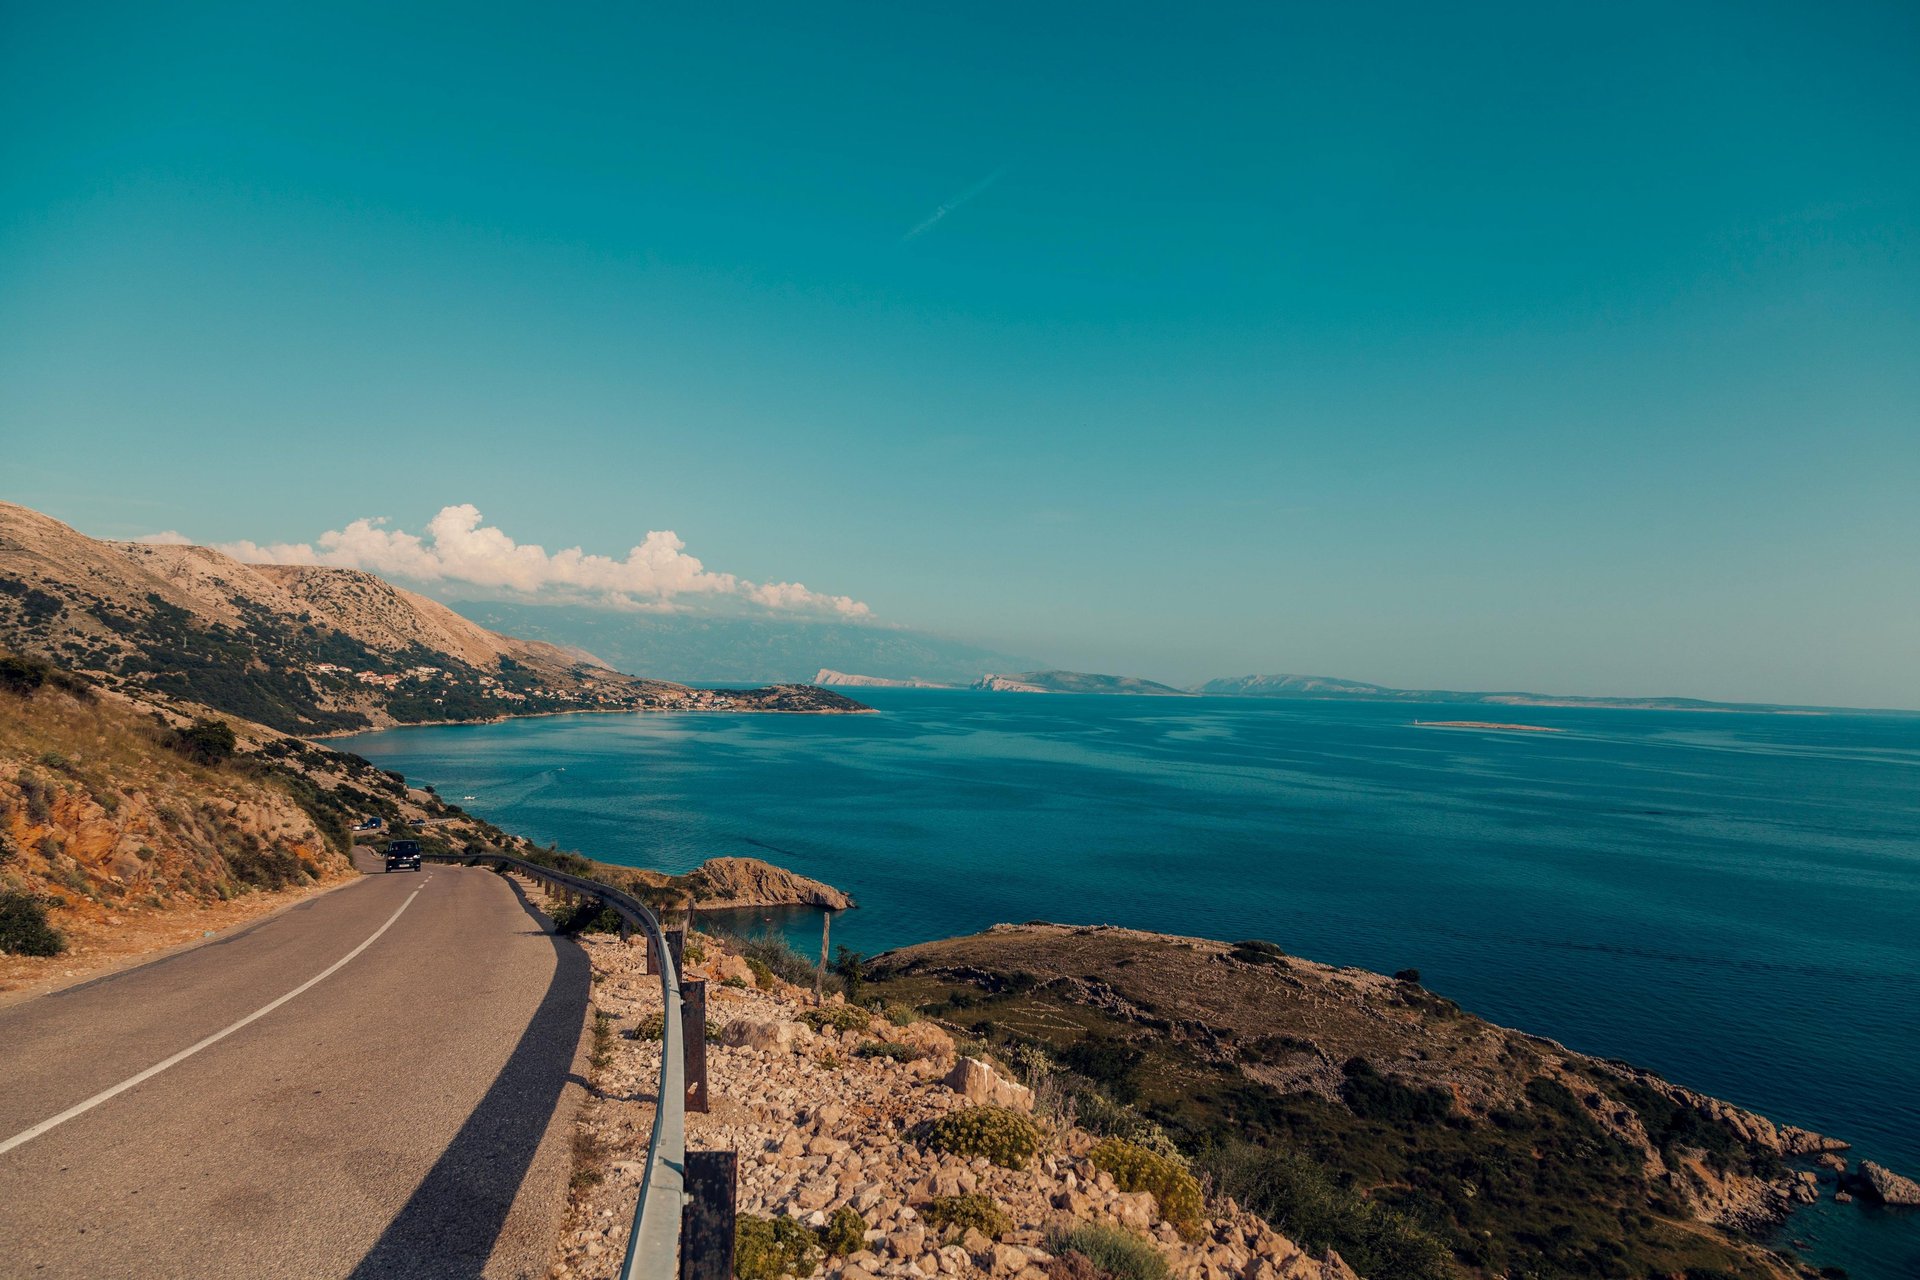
column 1726, row 898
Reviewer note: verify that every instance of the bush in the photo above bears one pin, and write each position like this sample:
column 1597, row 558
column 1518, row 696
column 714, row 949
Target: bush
column 845, row 1232
column 762, row 974
column 1254, row 951
column 840, row 1017
column 851, row 966
column 890, row 1049
column 778, row 955
column 586, row 917
column 24, row 930
column 901, row 1015
column 1408, row 975
column 21, row 676
column 1134, row 1168
column 768, row 1248
column 1113, row 1253
column 1107, row 1062
column 955, row 1215
column 735, row 981
column 1301, row 1200
column 207, row 742
column 1004, row 1136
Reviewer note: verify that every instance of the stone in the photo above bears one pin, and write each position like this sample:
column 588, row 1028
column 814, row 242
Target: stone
column 814, row 1192
column 977, row 1082
column 1888, row 1187
column 762, row 1034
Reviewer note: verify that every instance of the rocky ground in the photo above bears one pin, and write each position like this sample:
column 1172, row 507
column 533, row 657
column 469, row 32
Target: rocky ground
column 819, row 1126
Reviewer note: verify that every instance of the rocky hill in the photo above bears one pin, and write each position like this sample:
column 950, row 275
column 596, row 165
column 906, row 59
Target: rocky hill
column 1075, row 682
column 1374, row 1116
column 303, row 649
column 113, row 825
column 828, row 677
column 878, row 1144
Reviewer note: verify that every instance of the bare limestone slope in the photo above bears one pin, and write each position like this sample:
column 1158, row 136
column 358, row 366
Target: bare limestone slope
column 827, row 1109
column 304, row 649
column 128, row 844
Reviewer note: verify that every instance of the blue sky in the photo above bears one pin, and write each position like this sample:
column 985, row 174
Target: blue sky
column 1567, row 348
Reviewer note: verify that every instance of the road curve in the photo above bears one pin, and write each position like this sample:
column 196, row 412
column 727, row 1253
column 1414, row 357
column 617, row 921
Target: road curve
column 405, row 1115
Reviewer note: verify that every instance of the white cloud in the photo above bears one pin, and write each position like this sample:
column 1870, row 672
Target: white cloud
column 457, row 548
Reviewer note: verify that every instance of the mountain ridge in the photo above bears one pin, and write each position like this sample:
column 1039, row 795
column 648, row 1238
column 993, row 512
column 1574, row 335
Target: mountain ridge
column 302, row 649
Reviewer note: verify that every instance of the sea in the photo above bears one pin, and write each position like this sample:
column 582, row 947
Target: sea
column 1729, row 899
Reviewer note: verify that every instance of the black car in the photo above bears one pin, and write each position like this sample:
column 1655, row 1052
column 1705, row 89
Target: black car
column 403, row 855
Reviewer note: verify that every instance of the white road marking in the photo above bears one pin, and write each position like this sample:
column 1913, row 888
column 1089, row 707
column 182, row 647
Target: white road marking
column 80, row 1108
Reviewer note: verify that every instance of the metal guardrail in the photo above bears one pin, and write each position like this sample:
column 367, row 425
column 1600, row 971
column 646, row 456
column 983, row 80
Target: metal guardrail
column 653, row 1246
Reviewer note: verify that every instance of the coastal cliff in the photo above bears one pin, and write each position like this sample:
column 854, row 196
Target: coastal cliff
column 1347, row 1095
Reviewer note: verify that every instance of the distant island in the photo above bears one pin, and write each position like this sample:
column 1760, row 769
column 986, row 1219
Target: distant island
column 846, row 679
column 1331, row 687
column 1076, row 682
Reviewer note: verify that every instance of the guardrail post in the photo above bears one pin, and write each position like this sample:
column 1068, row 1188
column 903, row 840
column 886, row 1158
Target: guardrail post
column 677, row 948
column 653, row 956
column 706, row 1230
column 693, row 1021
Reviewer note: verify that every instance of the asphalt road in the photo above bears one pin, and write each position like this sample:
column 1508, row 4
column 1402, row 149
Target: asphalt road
column 407, row 1114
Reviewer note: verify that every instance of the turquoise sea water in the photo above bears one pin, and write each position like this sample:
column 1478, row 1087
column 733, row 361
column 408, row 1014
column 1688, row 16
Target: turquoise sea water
column 1732, row 900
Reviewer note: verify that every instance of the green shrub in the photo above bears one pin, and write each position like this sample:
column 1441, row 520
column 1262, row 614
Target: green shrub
column 651, row 1027
column 1004, row 1136
column 735, row 981
column 1134, row 1168
column 901, row 1015
column 890, row 1049
column 955, row 1215
column 24, row 930
column 1107, row 1062
column 586, row 917
column 768, row 1248
column 851, row 966
column 840, row 1017
column 845, row 1232
column 778, row 955
column 1254, row 951
column 762, row 975
column 1302, row 1200
column 208, row 742
column 1116, row 1254
column 21, row 676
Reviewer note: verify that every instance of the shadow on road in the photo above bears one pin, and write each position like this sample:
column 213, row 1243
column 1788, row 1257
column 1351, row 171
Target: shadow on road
column 449, row 1226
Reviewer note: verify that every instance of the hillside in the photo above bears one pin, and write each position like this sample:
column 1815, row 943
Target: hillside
column 1075, row 682
column 112, row 825
column 1328, row 1097
column 302, row 649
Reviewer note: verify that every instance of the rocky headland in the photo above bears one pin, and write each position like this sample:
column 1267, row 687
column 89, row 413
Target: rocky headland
column 847, row 1122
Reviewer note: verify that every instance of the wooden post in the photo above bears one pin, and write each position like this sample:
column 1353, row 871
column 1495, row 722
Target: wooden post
column 693, row 1025
column 706, row 1225
column 677, row 948
column 820, row 973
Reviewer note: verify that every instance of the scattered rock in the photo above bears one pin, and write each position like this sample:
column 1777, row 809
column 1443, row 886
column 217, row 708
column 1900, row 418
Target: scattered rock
column 977, row 1082
column 1886, row 1186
